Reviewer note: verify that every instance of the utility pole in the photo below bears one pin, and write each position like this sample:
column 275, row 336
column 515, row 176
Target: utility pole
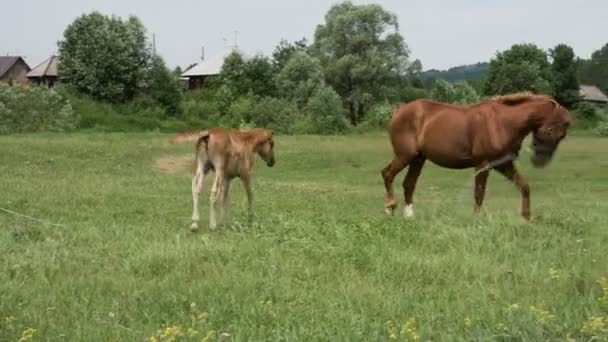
column 202, row 53
column 154, row 44
column 236, row 37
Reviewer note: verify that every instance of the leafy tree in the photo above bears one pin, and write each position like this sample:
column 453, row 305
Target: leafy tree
column 259, row 75
column 177, row 72
column 362, row 54
column 564, row 67
column 414, row 73
column 104, row 57
column 524, row 67
column 300, row 77
column 325, row 111
column 458, row 93
column 283, row 52
column 595, row 70
column 242, row 77
column 163, row 86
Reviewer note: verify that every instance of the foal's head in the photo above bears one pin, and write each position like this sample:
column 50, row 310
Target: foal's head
column 265, row 147
column 549, row 132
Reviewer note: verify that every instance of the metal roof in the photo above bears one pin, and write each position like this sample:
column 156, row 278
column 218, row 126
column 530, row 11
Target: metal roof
column 46, row 68
column 7, row 62
column 592, row 93
column 211, row 66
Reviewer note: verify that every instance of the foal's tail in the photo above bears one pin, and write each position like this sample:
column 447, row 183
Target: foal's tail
column 203, row 139
column 184, row 137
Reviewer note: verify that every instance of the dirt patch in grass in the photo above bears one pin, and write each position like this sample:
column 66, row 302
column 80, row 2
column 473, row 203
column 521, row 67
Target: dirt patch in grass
column 175, row 165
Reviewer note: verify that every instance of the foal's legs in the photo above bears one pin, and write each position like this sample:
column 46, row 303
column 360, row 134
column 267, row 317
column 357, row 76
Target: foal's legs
column 197, row 187
column 247, row 185
column 225, row 200
column 480, row 188
column 216, row 196
column 409, row 184
column 508, row 170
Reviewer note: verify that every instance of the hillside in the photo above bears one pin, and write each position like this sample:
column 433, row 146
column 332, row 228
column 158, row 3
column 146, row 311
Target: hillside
column 471, row 72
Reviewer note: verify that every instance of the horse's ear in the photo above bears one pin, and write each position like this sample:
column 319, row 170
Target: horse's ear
column 270, row 133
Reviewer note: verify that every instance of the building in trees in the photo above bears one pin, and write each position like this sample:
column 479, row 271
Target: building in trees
column 211, row 67
column 44, row 73
column 591, row 93
column 13, row 69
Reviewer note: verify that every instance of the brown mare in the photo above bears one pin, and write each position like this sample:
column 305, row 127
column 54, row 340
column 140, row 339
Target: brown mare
column 229, row 154
column 485, row 136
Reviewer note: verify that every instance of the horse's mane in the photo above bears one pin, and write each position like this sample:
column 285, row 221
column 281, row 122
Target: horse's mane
column 519, row 98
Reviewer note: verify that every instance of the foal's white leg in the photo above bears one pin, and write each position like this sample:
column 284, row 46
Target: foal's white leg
column 216, row 195
column 225, row 200
column 197, row 187
column 247, row 185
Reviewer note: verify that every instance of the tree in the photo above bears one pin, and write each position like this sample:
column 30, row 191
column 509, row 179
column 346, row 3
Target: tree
column 104, row 57
column 564, row 67
column 163, row 86
column 595, row 70
column 459, row 93
column 242, row 77
column 362, row 54
column 283, row 52
column 524, row 67
column 300, row 77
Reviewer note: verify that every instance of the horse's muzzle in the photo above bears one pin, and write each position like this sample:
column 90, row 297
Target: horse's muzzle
column 543, row 153
column 270, row 163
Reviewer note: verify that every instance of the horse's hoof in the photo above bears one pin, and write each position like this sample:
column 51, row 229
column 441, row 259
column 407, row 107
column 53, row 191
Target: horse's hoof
column 194, row 227
column 408, row 211
column 389, row 211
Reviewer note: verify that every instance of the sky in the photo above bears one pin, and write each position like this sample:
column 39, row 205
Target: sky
column 441, row 33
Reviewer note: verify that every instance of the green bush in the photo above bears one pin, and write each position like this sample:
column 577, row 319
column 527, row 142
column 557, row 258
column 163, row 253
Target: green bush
column 34, row 109
column 325, row 112
column 457, row 93
column 378, row 116
column 602, row 129
column 279, row 115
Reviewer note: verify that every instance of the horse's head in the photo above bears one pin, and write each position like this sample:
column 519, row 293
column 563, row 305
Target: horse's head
column 265, row 147
column 550, row 132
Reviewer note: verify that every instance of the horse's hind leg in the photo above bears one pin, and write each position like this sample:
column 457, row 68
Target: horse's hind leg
column 197, row 187
column 409, row 184
column 480, row 188
column 508, row 170
column 389, row 173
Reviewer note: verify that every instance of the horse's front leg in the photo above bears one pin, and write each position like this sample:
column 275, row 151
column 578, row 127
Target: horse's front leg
column 247, row 185
column 481, row 179
column 509, row 171
column 388, row 175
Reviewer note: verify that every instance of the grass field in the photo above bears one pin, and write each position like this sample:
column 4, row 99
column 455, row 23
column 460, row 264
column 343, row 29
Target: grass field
column 320, row 262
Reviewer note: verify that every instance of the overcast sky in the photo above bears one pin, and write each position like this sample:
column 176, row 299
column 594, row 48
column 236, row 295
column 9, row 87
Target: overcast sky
column 441, row 33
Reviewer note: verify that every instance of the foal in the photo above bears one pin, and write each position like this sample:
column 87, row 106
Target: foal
column 229, row 154
column 488, row 135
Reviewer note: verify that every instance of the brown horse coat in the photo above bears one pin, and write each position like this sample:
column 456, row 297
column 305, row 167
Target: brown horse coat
column 459, row 137
column 230, row 155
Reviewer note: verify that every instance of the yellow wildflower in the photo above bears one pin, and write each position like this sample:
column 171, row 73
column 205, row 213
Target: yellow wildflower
column 596, row 326
column 409, row 330
column 554, row 274
column 208, row 337
column 467, row 322
column 542, row 316
column 27, row 335
column 191, row 332
column 603, row 282
column 171, row 333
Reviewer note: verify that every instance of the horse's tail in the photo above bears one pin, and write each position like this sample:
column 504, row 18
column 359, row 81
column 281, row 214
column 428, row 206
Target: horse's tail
column 184, row 137
column 203, row 139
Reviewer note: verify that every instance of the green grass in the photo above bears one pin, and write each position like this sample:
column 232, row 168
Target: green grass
column 320, row 262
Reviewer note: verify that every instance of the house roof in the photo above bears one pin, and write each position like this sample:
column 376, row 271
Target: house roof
column 211, row 66
column 46, row 68
column 592, row 93
column 7, row 62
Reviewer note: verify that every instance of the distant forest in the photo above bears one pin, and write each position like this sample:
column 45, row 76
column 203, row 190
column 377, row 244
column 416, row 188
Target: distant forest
column 471, row 72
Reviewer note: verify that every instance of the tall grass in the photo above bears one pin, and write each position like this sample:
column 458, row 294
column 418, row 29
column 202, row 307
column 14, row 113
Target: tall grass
column 319, row 262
